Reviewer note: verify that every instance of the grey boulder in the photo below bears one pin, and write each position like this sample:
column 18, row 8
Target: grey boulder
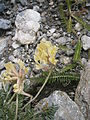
column 82, row 96
column 67, row 109
column 4, row 43
column 5, row 24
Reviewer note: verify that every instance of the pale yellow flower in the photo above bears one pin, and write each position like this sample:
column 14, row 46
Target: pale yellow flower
column 18, row 88
column 10, row 67
column 22, row 66
column 11, row 73
column 45, row 54
column 17, row 76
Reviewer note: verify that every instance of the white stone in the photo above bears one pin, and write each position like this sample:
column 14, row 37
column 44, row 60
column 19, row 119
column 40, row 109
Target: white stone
column 56, row 35
column 15, row 45
column 78, row 27
column 40, row 1
column 3, row 43
column 2, row 62
column 52, row 30
column 51, row 2
column 61, row 40
column 36, row 8
column 16, row 52
column 12, row 59
column 25, row 38
column 28, row 15
column 86, row 42
column 65, row 60
column 84, row 61
column 27, row 25
column 48, row 34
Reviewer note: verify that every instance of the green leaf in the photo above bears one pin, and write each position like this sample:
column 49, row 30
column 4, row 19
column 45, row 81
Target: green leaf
column 84, row 24
column 76, row 57
column 87, row 26
column 68, row 67
column 62, row 14
column 69, row 5
column 57, row 76
column 69, row 25
column 64, row 77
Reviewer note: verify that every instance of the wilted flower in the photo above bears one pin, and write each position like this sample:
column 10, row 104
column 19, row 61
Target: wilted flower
column 45, row 54
column 15, row 73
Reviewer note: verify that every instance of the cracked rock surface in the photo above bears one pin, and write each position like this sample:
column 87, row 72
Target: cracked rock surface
column 82, row 96
column 67, row 109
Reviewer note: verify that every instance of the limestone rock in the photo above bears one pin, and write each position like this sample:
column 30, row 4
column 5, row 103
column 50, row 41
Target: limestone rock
column 27, row 25
column 61, row 40
column 2, row 7
column 23, row 2
column 2, row 62
column 15, row 45
column 3, row 43
column 5, row 24
column 86, row 42
column 40, row 1
column 82, row 96
column 67, row 109
column 78, row 26
column 25, row 37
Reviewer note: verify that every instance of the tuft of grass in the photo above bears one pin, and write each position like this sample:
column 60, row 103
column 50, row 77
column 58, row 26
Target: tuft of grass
column 67, row 18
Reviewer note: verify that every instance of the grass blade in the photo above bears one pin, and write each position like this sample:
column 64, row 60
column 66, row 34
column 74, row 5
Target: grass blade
column 69, row 25
column 84, row 24
column 76, row 57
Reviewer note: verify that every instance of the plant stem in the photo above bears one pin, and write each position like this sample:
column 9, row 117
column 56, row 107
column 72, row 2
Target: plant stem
column 26, row 94
column 79, row 20
column 11, row 98
column 8, row 94
column 69, row 6
column 16, row 116
column 40, row 89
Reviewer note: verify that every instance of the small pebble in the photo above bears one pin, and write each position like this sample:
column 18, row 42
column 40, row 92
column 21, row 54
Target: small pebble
column 15, row 45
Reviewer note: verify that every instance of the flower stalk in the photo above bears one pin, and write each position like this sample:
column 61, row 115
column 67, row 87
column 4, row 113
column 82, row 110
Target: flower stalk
column 16, row 116
column 45, row 59
column 11, row 99
column 46, row 80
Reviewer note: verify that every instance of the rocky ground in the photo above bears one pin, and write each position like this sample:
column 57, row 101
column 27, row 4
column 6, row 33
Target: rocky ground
column 23, row 23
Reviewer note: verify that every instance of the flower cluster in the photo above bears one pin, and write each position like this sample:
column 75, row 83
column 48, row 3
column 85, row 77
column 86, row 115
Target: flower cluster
column 45, row 55
column 15, row 73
